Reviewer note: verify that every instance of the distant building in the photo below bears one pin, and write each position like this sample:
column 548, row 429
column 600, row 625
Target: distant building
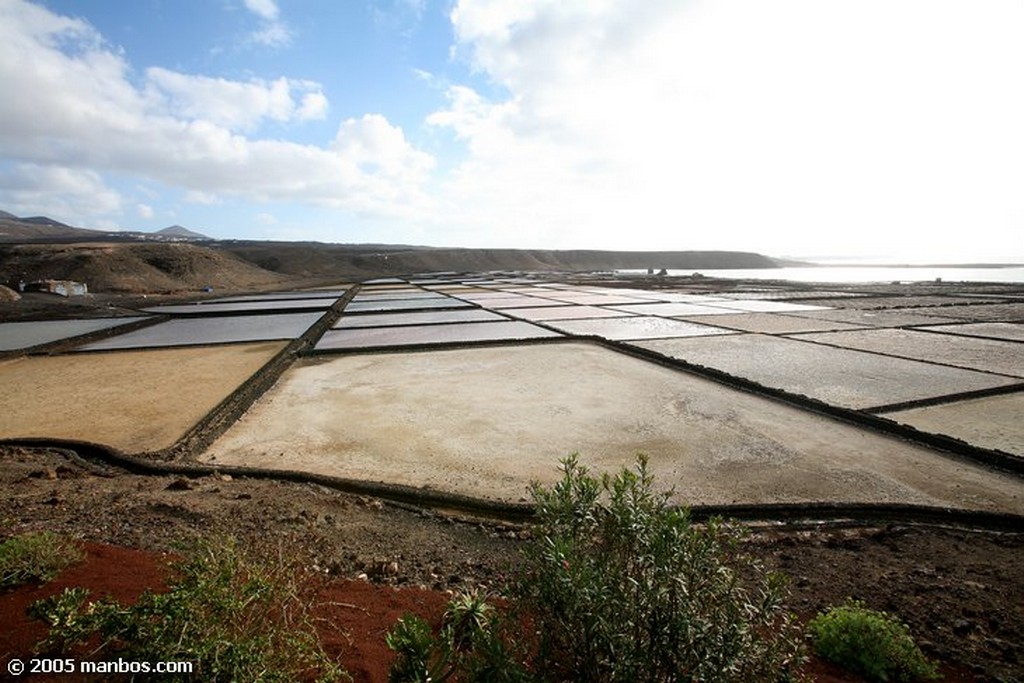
column 60, row 287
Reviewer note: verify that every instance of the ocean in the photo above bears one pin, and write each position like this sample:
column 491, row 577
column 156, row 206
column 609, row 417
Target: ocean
column 865, row 274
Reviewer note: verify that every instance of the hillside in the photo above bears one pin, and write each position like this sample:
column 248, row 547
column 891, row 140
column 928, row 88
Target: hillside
column 170, row 260
column 134, row 268
column 14, row 229
column 324, row 260
column 151, row 267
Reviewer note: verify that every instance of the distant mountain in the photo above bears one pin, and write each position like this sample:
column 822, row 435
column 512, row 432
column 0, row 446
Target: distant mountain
column 15, row 229
column 182, row 232
column 43, row 228
column 47, row 221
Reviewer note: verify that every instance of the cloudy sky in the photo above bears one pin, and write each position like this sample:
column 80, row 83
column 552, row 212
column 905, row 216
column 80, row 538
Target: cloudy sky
column 878, row 129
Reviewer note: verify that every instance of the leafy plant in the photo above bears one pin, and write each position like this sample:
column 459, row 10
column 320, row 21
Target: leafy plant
column 467, row 613
column 235, row 617
column 617, row 585
column 420, row 658
column 871, row 643
column 35, row 557
column 471, row 646
column 623, row 586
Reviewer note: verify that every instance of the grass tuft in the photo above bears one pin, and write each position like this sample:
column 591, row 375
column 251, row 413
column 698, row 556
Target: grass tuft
column 36, row 557
column 235, row 614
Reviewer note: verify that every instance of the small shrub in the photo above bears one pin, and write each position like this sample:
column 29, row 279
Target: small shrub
column 472, row 646
column 235, row 617
column 35, row 557
column 868, row 642
column 467, row 614
column 420, row 657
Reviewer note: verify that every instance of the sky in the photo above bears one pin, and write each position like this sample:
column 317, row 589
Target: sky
column 880, row 130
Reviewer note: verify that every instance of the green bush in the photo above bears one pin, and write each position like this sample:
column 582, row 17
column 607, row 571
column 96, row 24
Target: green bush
column 622, row 586
column 35, row 557
column 619, row 585
column 234, row 616
column 871, row 643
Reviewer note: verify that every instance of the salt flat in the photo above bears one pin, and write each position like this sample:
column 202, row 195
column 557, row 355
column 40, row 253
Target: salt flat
column 842, row 377
column 991, row 422
column 488, row 421
column 22, row 335
column 975, row 353
column 132, row 400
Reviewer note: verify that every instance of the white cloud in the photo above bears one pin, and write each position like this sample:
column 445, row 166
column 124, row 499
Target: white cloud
column 145, row 211
column 78, row 109
column 795, row 126
column 200, row 197
column 266, row 9
column 60, row 192
column 314, row 106
column 372, row 143
column 782, row 126
column 273, row 32
column 234, row 104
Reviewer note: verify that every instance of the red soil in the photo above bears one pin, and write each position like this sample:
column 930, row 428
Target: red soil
column 360, row 613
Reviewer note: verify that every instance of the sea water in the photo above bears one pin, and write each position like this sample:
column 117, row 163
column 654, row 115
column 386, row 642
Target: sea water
column 854, row 274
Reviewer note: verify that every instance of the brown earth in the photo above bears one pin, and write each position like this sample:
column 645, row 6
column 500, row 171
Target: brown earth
column 961, row 592
column 134, row 268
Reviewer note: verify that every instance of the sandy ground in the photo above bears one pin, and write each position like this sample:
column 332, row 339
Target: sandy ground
column 488, row 421
column 133, row 400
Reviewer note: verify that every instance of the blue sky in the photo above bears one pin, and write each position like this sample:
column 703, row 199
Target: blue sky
column 877, row 129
